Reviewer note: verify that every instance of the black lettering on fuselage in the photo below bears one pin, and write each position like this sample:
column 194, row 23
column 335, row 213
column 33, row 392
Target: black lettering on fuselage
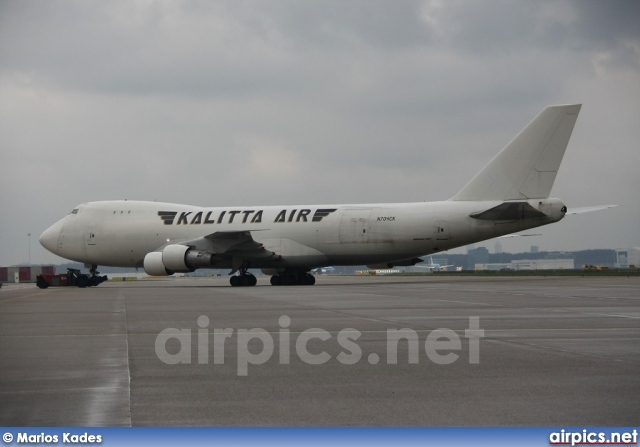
column 303, row 215
column 280, row 217
column 232, row 214
column 257, row 217
column 197, row 219
column 183, row 218
column 246, row 215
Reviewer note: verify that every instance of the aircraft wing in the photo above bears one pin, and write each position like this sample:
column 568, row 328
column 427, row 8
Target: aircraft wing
column 235, row 246
column 228, row 244
column 223, row 242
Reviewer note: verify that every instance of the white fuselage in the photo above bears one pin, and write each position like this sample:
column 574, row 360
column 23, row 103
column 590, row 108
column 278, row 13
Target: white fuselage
column 122, row 233
column 509, row 194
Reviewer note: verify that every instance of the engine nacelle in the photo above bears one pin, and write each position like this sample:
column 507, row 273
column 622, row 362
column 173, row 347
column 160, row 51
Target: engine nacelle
column 154, row 266
column 176, row 258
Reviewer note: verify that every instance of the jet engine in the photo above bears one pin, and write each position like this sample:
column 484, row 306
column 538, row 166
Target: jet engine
column 176, row 259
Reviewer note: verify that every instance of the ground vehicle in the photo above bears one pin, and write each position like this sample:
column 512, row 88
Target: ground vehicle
column 595, row 267
column 73, row 277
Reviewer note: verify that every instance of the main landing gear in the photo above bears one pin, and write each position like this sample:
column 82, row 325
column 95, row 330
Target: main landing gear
column 293, row 278
column 243, row 279
column 287, row 278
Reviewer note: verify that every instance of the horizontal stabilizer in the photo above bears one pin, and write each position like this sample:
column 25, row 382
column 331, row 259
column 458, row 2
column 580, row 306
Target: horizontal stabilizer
column 526, row 168
column 588, row 209
column 509, row 211
column 519, row 235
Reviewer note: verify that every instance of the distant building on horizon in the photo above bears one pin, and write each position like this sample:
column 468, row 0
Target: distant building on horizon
column 529, row 264
column 627, row 257
column 542, row 264
column 478, row 255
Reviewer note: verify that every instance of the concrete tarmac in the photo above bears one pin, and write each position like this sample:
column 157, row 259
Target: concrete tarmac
column 562, row 351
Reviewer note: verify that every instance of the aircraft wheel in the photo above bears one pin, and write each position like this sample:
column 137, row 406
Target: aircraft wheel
column 289, row 280
column 243, row 280
column 82, row 281
column 93, row 281
column 276, row 280
column 248, row 280
column 310, row 279
column 42, row 283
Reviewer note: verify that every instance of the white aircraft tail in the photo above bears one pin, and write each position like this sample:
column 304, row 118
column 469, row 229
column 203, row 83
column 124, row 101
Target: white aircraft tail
column 526, row 168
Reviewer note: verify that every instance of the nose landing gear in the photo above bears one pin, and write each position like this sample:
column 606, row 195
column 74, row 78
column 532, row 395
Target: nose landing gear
column 91, row 280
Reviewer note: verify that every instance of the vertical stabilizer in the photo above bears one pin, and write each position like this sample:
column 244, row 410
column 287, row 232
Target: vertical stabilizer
column 526, row 168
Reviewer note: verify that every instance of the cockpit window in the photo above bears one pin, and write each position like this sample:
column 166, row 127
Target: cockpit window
column 75, row 211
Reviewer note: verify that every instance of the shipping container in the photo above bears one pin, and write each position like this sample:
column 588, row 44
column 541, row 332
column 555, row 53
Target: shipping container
column 25, row 274
column 35, row 271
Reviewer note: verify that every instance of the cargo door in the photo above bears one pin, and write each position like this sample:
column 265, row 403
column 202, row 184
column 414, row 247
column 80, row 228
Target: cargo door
column 354, row 226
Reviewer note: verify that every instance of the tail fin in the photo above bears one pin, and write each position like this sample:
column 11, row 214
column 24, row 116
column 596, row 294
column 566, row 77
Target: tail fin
column 526, row 168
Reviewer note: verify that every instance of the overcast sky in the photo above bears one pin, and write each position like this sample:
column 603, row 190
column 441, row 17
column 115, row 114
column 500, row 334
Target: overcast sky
column 289, row 102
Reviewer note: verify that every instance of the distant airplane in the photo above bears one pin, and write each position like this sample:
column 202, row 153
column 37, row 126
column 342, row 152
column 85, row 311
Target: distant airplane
column 510, row 194
column 434, row 267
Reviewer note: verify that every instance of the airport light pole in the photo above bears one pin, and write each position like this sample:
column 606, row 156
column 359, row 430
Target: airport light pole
column 29, row 234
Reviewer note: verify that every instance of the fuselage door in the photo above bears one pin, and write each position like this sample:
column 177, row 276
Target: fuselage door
column 442, row 231
column 90, row 235
column 354, row 226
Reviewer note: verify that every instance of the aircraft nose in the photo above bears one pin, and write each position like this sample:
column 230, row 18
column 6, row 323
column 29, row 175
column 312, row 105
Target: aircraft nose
column 49, row 239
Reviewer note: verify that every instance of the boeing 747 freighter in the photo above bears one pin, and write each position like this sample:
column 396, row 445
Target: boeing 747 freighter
column 510, row 194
